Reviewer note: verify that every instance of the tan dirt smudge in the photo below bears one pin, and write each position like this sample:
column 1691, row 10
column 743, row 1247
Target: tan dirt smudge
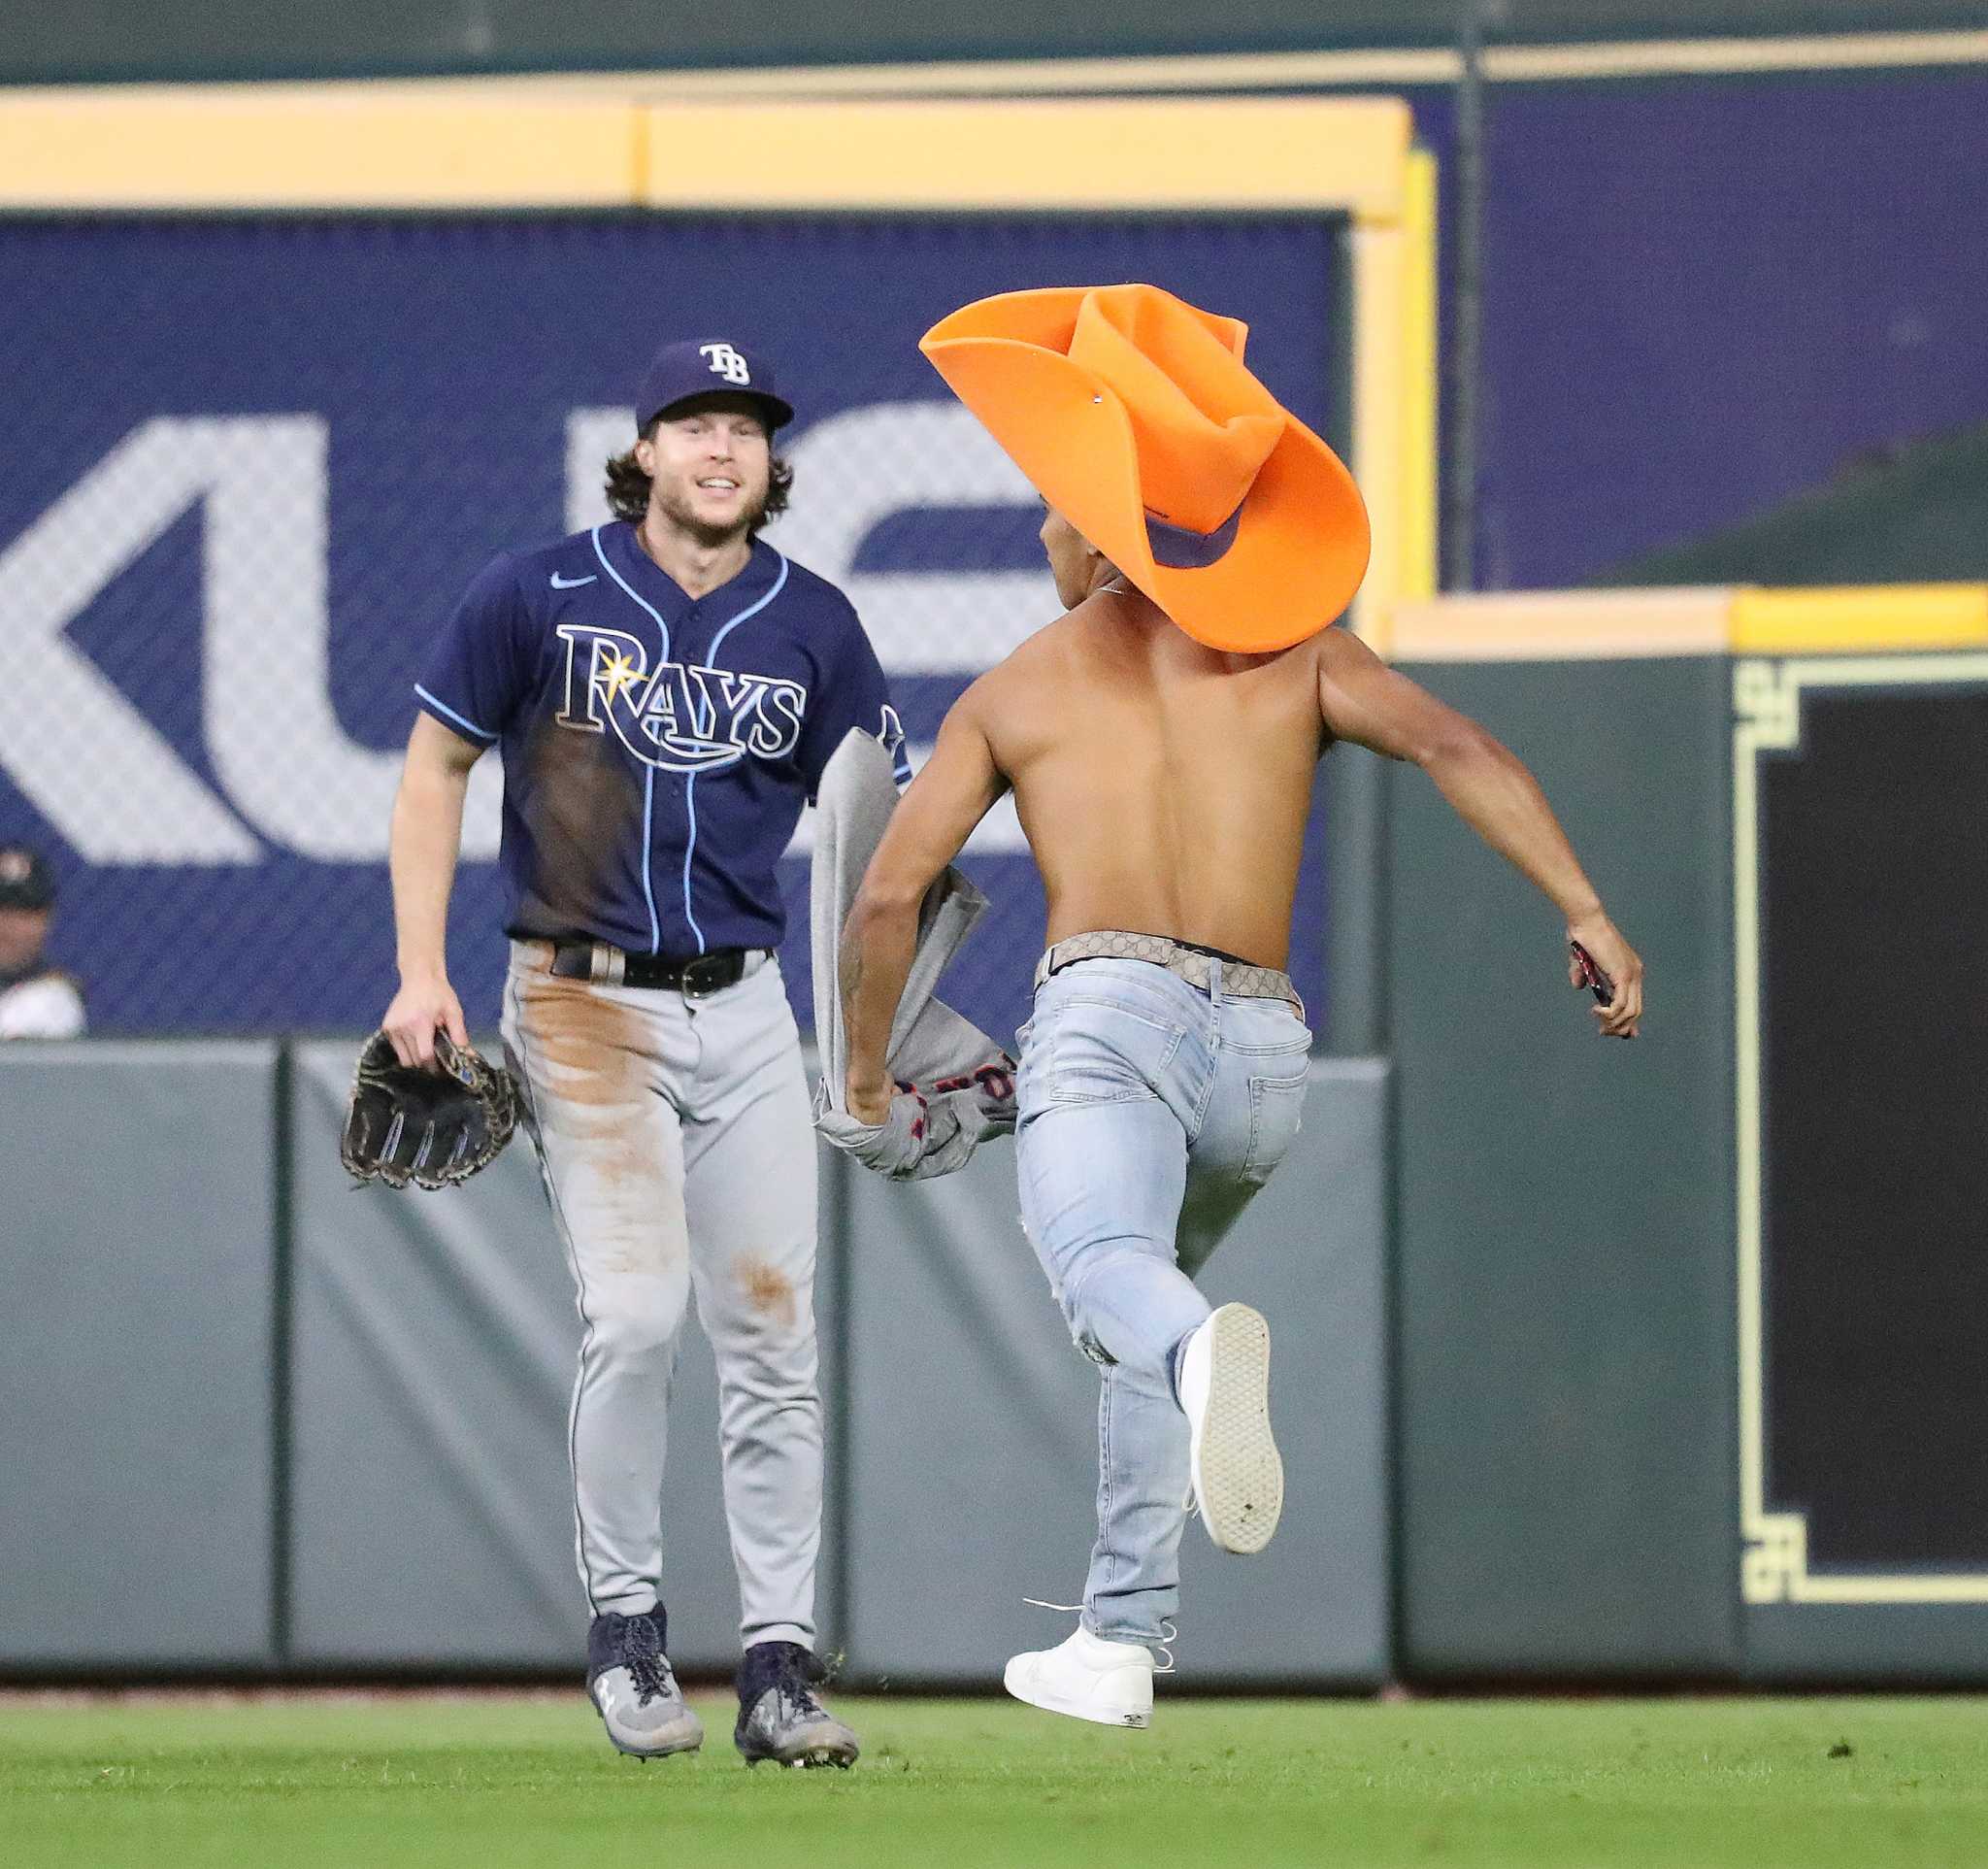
column 589, row 1053
column 767, row 1289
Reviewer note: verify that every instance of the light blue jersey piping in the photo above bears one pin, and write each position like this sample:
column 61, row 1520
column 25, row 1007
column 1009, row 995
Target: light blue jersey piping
column 648, row 786
column 481, row 733
column 780, row 583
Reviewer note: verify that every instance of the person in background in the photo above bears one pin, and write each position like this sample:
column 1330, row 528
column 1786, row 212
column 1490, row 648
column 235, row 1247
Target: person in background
column 36, row 999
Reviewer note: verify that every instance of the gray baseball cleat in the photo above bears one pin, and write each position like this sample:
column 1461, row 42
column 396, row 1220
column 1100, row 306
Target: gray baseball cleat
column 779, row 1715
column 629, row 1681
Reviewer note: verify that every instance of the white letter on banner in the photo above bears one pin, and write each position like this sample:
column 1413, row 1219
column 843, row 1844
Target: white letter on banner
column 593, row 437
column 94, row 766
column 856, row 470
column 272, row 731
column 852, row 472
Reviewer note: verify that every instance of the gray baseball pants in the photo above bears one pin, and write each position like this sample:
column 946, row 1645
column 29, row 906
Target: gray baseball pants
column 677, row 1148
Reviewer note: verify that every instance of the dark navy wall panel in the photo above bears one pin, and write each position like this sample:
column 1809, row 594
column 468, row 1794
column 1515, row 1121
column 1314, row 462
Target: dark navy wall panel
column 435, row 363
column 1701, row 296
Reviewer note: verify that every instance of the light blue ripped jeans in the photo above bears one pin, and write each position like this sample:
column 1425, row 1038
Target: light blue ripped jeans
column 1151, row 1114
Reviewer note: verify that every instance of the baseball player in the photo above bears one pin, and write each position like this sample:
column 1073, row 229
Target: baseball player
column 1160, row 740
column 667, row 690
column 36, row 999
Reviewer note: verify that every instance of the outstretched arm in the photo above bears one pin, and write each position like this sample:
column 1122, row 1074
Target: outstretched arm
column 1363, row 700
column 934, row 818
column 424, row 843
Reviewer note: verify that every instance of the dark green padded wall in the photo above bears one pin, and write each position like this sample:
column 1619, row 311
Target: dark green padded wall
column 1564, row 1454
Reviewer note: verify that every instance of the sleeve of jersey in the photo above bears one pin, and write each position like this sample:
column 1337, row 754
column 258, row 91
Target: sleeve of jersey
column 857, row 696
column 476, row 676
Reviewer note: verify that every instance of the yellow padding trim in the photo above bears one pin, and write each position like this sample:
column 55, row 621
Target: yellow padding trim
column 1599, row 625
column 1563, row 626
column 349, row 148
column 1419, row 374
column 1348, row 154
column 365, row 145
column 1878, row 617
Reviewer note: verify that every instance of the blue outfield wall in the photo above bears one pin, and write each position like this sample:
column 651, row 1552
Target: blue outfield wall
column 262, row 456
column 1704, row 296
column 267, row 454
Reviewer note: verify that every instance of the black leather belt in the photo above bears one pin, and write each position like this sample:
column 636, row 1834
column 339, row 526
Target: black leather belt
column 697, row 977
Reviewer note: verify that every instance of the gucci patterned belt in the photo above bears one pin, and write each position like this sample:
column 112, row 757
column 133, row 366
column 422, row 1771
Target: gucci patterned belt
column 1195, row 965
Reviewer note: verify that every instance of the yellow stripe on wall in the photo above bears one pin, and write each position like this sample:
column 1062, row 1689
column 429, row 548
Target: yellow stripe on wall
column 1876, row 616
column 1348, row 155
column 1563, row 626
column 1599, row 625
column 1420, row 370
column 362, row 146
column 314, row 148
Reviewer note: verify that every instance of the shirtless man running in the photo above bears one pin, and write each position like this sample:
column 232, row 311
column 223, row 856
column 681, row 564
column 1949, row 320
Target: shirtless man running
column 1161, row 760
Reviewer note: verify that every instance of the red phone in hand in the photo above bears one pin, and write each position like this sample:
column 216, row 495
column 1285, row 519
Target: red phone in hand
column 1591, row 976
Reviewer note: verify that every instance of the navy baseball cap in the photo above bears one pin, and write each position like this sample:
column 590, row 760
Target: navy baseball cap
column 714, row 367
column 26, row 880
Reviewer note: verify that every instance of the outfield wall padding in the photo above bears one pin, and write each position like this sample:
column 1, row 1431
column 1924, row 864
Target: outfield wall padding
column 138, row 1357
column 1689, row 1357
column 261, row 1419
column 1564, row 1245
column 435, row 1338
column 973, row 1423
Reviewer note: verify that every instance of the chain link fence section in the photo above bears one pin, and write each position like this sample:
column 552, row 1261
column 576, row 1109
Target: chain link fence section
column 240, row 503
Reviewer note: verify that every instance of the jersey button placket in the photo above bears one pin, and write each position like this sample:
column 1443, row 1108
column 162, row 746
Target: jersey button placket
column 677, row 937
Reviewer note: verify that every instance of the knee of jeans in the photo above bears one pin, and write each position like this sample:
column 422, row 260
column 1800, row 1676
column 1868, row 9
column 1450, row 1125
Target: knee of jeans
column 1086, row 1341
column 1081, row 1334
column 1101, row 1304
column 635, row 1320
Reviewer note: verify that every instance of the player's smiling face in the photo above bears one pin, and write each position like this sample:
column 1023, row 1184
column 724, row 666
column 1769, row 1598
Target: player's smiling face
column 711, row 465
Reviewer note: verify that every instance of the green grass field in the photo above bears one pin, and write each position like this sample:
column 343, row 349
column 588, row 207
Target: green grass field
column 489, row 1778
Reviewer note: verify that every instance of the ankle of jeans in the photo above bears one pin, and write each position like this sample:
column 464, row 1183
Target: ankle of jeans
column 1135, row 1635
column 1174, row 1357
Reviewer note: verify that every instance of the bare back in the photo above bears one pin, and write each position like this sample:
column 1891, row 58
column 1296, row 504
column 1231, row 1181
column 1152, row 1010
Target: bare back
column 1163, row 786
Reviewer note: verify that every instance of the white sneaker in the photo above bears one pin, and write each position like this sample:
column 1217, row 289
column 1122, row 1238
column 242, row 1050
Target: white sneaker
column 1239, row 1479
column 1088, row 1678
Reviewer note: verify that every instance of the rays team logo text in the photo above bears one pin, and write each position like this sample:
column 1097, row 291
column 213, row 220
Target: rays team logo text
column 681, row 716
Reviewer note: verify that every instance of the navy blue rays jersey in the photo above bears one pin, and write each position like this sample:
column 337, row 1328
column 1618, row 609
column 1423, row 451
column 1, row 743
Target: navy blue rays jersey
column 656, row 750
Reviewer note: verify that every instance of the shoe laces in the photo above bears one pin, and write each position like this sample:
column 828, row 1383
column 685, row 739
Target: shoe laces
column 642, row 1650
column 1168, row 1630
column 796, row 1683
column 793, row 1677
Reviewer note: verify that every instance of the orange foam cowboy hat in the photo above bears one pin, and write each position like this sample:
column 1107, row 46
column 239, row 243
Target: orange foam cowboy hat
column 1132, row 414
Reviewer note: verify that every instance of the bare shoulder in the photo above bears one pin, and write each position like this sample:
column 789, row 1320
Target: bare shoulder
column 1024, row 665
column 1337, row 652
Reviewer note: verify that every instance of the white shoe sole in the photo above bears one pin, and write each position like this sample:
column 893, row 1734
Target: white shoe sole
column 1239, row 1477
column 1033, row 1695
